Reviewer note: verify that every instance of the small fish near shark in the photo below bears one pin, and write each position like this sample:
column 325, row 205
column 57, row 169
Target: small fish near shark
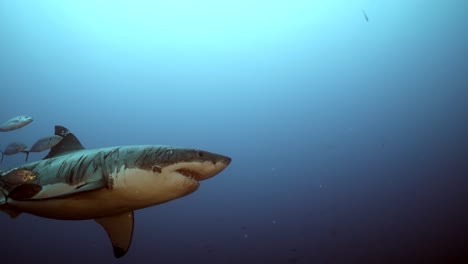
column 43, row 144
column 105, row 184
column 39, row 146
column 12, row 149
column 15, row 123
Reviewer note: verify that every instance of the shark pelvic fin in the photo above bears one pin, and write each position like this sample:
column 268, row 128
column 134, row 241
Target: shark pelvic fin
column 119, row 228
column 68, row 144
column 5, row 208
column 11, row 212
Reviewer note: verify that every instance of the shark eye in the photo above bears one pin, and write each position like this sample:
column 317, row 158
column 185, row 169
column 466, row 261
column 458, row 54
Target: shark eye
column 200, row 154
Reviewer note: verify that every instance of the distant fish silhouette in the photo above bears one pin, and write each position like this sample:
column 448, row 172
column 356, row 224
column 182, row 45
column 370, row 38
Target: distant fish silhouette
column 12, row 148
column 15, row 123
column 43, row 144
column 365, row 15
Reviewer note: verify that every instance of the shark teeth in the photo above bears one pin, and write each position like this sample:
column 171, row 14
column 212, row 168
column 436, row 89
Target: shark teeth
column 190, row 174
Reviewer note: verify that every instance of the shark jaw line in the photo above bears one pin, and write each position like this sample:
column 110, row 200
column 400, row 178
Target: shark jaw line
column 193, row 170
column 190, row 174
column 142, row 187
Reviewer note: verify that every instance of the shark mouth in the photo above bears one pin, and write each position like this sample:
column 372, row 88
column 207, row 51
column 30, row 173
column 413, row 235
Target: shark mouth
column 190, row 174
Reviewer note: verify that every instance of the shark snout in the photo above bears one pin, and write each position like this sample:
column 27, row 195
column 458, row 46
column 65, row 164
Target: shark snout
column 212, row 164
column 222, row 162
column 208, row 165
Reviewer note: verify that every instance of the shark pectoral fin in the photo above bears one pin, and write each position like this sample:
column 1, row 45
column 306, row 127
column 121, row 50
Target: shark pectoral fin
column 119, row 228
column 25, row 191
column 62, row 190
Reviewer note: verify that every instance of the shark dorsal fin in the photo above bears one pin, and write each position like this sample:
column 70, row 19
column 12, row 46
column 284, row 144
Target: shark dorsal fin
column 69, row 143
column 119, row 228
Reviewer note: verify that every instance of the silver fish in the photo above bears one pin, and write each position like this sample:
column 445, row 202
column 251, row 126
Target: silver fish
column 43, row 144
column 13, row 148
column 15, row 123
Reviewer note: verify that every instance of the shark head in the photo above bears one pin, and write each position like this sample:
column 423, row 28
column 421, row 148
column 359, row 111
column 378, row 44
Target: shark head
column 197, row 165
column 160, row 174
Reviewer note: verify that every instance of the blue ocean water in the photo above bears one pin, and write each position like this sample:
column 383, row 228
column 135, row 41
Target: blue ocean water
column 347, row 136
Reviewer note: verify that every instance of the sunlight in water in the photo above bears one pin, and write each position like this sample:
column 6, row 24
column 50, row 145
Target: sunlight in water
column 188, row 23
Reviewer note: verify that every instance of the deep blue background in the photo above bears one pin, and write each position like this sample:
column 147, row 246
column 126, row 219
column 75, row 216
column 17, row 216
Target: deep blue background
column 348, row 137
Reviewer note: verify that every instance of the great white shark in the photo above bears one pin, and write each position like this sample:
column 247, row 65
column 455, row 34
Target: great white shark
column 105, row 184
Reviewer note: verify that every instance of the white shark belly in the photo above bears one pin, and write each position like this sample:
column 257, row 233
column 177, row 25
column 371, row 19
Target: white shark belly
column 89, row 205
column 133, row 189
